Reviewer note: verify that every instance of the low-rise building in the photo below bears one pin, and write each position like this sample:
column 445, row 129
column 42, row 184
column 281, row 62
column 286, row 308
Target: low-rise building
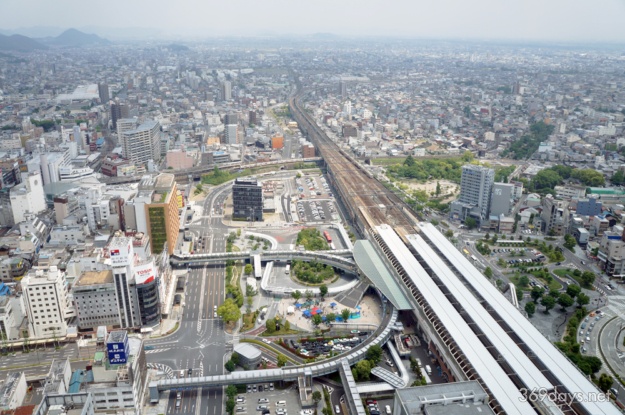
column 466, row 398
column 12, row 391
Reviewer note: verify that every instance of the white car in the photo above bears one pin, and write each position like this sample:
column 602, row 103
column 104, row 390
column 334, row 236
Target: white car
column 266, row 341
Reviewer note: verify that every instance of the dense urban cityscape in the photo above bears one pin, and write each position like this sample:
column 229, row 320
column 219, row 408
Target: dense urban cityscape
column 311, row 225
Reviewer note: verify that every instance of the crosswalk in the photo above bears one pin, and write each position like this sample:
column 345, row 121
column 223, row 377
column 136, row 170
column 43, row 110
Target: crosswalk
column 163, row 368
column 156, row 350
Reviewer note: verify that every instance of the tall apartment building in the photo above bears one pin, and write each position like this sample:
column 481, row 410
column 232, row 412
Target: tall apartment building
column 476, row 185
column 9, row 174
column 343, row 89
column 155, row 211
column 308, row 150
column 252, row 117
column 555, row 216
column 247, row 200
column 231, row 133
column 501, row 200
column 141, row 143
column 226, row 90
column 28, row 197
column 118, row 111
column 103, row 92
column 47, row 302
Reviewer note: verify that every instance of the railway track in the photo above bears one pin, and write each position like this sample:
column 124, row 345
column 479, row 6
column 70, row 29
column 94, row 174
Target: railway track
column 368, row 202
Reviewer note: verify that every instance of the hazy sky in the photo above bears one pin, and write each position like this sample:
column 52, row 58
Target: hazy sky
column 558, row 20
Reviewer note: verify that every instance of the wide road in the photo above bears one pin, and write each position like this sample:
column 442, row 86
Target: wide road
column 198, row 347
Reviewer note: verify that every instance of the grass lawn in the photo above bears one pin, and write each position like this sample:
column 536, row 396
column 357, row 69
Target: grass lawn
column 248, row 321
column 563, row 272
column 280, row 332
column 387, row 161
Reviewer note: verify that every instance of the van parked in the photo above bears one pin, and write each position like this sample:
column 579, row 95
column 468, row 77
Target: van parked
column 428, row 370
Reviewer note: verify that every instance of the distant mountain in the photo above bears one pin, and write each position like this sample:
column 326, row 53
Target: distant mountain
column 19, row 43
column 76, row 38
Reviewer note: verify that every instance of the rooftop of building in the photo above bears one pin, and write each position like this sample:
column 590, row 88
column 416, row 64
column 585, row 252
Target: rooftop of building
column 147, row 125
column 117, row 336
column 470, row 396
column 94, row 277
column 8, row 387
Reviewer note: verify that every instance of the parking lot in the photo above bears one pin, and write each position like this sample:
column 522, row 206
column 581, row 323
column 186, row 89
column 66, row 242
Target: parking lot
column 315, row 210
column 267, row 398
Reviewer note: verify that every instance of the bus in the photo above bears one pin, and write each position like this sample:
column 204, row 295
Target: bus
column 326, row 235
column 287, row 270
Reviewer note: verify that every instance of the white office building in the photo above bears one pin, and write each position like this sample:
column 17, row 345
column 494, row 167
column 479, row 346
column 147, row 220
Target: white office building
column 27, row 197
column 47, row 302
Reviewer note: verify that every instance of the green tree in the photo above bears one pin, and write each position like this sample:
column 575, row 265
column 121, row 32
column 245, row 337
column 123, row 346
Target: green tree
column 249, row 301
column 316, row 397
column 470, row 223
column 230, row 405
column 271, row 325
column 297, row 294
column 565, row 300
column 588, row 278
column 618, row 178
column 316, row 319
column 582, row 299
column 548, row 302
column 605, row 382
column 573, row 290
column 569, row 242
column 530, row 308
column 248, row 269
column 287, row 325
column 230, row 366
column 308, row 294
column 409, row 162
column 345, row 313
column 323, row 290
column 438, row 189
column 449, row 234
column 362, row 370
column 235, row 358
column 229, row 311
column 524, row 281
column 374, row 354
column 488, row 272
column 330, row 317
column 281, row 360
column 231, row 391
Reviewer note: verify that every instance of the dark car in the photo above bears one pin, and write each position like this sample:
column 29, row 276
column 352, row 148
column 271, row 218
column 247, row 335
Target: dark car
column 190, row 371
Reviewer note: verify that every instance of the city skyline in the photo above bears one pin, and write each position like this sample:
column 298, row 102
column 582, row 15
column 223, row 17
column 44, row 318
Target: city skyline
column 531, row 20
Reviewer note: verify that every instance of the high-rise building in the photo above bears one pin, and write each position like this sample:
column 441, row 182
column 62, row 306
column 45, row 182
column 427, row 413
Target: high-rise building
column 252, row 117
column 231, row 134
column 141, row 143
column 103, row 91
column 156, row 211
column 226, row 91
column 501, row 200
column 231, row 119
column 95, row 300
column 247, row 200
column 343, row 89
column 28, row 197
column 476, row 185
column 308, row 150
column 46, row 302
column 118, row 111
